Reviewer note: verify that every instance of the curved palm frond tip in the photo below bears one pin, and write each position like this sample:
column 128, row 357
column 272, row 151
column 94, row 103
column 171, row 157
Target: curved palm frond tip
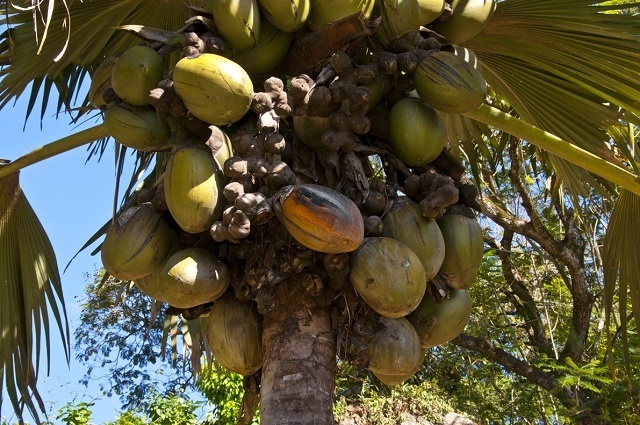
column 30, row 298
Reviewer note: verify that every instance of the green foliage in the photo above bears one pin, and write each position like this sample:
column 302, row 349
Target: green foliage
column 172, row 410
column 75, row 413
column 224, row 389
column 129, row 418
column 121, row 332
column 361, row 394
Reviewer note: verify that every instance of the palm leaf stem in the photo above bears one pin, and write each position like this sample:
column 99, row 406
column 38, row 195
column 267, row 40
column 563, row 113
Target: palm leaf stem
column 54, row 148
column 557, row 146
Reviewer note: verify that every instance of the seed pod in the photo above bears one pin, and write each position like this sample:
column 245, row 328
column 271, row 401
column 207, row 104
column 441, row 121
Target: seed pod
column 264, row 212
column 100, row 81
column 280, row 175
column 213, row 88
column 258, row 167
column 388, row 276
column 234, row 334
column 373, row 226
column 240, row 226
column 464, row 248
column 320, row 218
column 136, row 243
column 360, row 124
column 427, row 137
column 235, row 167
column 376, row 203
column 135, row 73
column 325, row 12
column 275, row 144
column 387, row 63
column 430, row 10
column 407, row 62
column 449, row 83
column 438, row 322
column 405, row 223
column 394, row 351
column 341, row 62
column 193, row 188
column 137, row 127
column 398, row 18
column 194, row 276
column 310, row 129
column 468, row 18
column 268, row 52
column 237, row 21
column 288, row 16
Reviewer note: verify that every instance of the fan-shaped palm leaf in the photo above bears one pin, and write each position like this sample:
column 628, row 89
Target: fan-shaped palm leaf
column 566, row 67
column 30, row 297
column 90, row 27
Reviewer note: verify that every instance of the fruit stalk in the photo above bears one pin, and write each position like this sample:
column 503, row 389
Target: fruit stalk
column 54, row 148
column 555, row 145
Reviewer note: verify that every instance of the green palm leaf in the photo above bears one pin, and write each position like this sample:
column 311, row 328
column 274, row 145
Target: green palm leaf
column 620, row 260
column 91, row 28
column 30, row 297
column 567, row 67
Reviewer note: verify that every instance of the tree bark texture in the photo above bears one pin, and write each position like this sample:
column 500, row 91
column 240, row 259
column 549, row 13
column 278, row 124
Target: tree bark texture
column 298, row 376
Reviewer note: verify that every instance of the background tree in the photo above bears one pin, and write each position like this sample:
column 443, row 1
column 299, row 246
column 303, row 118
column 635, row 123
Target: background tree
column 582, row 108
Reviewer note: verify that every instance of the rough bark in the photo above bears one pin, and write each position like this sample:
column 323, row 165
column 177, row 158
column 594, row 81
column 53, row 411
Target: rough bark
column 520, row 296
column 298, row 376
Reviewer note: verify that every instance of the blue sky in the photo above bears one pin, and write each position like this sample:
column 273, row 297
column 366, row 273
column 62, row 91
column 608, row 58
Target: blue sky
column 72, row 200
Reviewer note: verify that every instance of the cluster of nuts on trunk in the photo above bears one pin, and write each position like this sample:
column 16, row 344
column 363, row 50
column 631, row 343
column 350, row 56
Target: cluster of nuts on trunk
column 257, row 171
column 434, row 191
column 194, row 44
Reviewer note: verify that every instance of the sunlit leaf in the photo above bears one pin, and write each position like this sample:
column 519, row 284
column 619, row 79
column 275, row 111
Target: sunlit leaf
column 30, row 292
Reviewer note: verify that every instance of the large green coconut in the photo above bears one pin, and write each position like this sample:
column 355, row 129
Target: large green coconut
column 137, row 127
column 388, row 276
column 394, row 352
column 464, row 247
column 416, row 132
column 137, row 243
column 405, row 223
column 398, row 17
column 438, row 322
column 135, row 73
column 430, row 10
column 214, row 89
column 289, row 16
column 193, row 185
column 310, row 129
column 234, row 334
column 268, row 53
column 449, row 83
column 324, row 12
column 100, row 81
column 193, row 276
column 237, row 21
column 469, row 17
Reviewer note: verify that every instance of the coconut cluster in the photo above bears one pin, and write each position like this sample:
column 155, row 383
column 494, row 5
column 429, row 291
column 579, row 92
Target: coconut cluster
column 326, row 178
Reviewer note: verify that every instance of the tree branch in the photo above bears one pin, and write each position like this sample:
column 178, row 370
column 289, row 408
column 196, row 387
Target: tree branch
column 520, row 296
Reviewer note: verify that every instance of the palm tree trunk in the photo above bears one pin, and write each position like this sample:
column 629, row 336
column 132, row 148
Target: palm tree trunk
column 298, row 376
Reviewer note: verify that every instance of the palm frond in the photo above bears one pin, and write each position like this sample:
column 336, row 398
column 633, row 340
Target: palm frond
column 30, row 298
column 567, row 67
column 620, row 260
column 91, row 26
